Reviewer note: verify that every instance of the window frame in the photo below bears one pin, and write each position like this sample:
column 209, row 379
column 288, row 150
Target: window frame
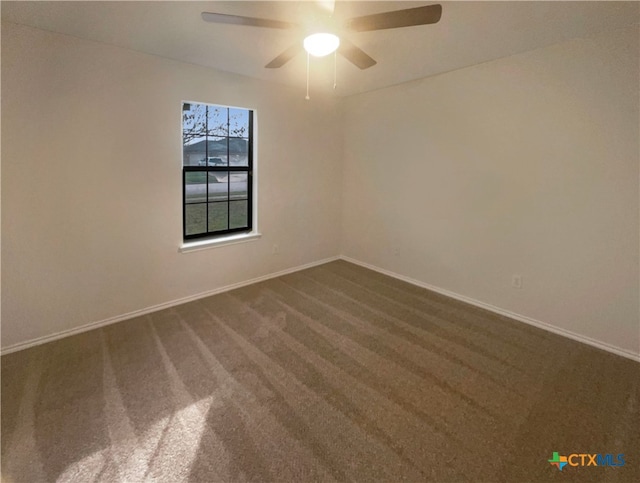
column 219, row 235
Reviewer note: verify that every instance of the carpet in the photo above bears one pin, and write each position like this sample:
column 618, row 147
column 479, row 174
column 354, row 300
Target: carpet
column 334, row 373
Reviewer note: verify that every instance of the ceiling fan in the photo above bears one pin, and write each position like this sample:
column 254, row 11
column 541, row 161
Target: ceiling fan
column 326, row 35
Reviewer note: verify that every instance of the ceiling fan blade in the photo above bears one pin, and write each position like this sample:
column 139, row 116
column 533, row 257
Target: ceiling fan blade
column 285, row 56
column 248, row 21
column 398, row 18
column 355, row 55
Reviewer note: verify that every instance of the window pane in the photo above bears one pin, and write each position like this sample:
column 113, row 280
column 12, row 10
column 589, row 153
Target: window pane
column 217, row 121
column 196, row 219
column 216, row 138
column 217, row 151
column 195, row 188
column 194, row 154
column 238, row 185
column 194, row 121
column 238, row 123
column 239, row 152
column 218, row 187
column 238, row 215
column 218, row 216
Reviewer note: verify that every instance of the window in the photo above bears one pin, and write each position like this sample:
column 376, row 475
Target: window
column 217, row 170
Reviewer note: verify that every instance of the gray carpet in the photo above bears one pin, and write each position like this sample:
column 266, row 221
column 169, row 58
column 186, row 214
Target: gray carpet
column 335, row 373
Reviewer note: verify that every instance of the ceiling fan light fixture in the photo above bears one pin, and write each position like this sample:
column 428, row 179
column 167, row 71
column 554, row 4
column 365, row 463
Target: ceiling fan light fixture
column 321, row 44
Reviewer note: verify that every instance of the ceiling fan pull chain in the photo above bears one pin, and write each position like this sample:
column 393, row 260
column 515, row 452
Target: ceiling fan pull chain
column 307, row 97
column 335, row 69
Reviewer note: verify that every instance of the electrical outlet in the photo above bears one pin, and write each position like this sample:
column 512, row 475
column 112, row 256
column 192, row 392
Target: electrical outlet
column 275, row 249
column 516, row 281
column 396, row 252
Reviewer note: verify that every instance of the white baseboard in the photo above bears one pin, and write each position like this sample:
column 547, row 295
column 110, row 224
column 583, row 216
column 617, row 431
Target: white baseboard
column 521, row 318
column 136, row 313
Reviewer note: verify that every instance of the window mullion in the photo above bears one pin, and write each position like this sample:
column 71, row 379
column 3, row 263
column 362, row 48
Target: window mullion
column 206, row 164
column 228, row 172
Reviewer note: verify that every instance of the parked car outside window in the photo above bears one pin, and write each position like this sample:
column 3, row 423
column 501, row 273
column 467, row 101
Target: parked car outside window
column 211, row 162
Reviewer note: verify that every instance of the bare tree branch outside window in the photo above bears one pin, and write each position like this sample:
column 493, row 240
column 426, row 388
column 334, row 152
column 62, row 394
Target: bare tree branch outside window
column 200, row 121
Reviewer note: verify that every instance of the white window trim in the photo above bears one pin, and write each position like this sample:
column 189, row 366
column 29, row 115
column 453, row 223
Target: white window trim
column 218, row 242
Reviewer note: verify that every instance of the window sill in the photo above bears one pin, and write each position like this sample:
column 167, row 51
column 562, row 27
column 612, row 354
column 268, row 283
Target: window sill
column 218, row 242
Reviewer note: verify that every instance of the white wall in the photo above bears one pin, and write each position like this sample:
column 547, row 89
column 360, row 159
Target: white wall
column 91, row 185
column 526, row 165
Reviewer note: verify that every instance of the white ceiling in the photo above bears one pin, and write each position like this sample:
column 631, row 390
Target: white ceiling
column 469, row 33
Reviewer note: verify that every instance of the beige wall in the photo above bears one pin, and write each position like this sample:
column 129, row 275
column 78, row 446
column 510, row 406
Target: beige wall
column 526, row 165
column 91, row 185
